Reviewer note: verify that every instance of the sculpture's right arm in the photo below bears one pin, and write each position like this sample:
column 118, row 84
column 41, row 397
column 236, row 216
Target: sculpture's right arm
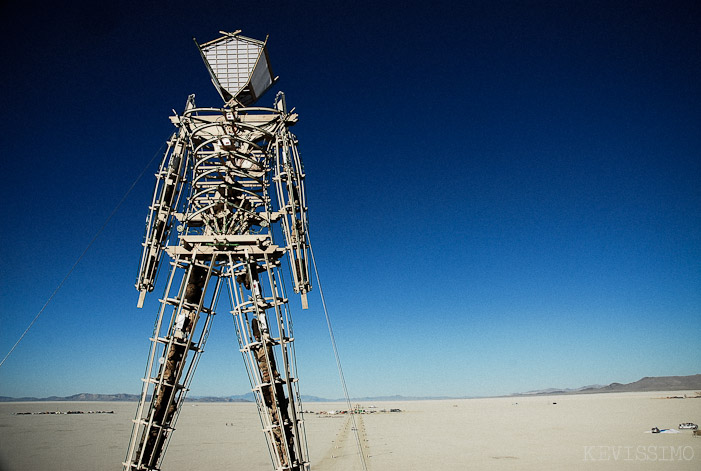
column 162, row 211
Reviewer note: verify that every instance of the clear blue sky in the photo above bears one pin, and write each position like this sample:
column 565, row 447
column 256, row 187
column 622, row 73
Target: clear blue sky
column 503, row 195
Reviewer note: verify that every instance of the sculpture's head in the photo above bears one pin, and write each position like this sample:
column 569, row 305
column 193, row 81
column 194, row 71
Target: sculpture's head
column 239, row 67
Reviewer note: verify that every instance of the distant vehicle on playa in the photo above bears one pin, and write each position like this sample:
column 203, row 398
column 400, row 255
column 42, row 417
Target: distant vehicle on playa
column 688, row 426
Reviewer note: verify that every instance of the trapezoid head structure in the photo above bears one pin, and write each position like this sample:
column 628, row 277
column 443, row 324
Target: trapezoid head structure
column 239, row 67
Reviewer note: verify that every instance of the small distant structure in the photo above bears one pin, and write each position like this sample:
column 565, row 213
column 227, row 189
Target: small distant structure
column 70, row 412
column 357, row 409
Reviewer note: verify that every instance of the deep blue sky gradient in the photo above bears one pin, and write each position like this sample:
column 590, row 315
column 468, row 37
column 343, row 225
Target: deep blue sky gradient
column 503, row 195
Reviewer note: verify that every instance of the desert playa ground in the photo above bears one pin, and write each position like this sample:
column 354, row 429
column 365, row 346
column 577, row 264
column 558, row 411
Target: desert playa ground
column 573, row 432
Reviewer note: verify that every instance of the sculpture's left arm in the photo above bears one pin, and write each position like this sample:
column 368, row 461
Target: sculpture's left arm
column 288, row 174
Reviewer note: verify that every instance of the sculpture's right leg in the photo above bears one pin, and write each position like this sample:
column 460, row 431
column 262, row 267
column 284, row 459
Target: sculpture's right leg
column 180, row 332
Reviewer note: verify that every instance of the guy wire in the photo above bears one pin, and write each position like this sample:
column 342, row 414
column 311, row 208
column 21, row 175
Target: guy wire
column 338, row 359
column 97, row 234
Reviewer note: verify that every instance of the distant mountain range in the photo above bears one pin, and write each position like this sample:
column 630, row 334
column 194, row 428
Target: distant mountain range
column 648, row 383
column 658, row 383
column 76, row 398
column 117, row 398
column 537, row 392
